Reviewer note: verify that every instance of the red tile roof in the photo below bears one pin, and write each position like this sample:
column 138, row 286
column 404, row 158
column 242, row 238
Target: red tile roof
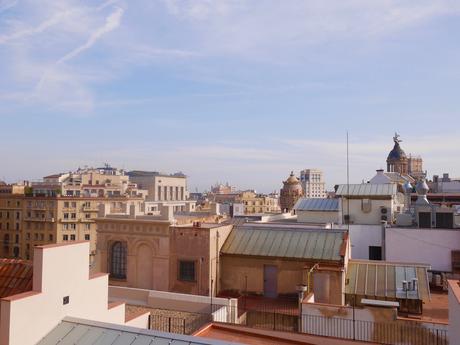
column 15, row 277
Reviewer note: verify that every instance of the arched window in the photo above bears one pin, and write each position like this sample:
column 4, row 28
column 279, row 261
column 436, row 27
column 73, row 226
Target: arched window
column 118, row 260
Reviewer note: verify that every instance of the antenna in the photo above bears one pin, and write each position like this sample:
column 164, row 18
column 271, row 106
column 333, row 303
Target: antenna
column 348, row 186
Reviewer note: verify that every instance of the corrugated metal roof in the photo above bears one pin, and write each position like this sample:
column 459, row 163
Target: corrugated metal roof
column 367, row 189
column 84, row 332
column 381, row 279
column 284, row 243
column 317, row 204
column 15, row 277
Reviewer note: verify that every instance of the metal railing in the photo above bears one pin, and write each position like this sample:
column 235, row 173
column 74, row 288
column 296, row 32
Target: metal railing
column 284, row 316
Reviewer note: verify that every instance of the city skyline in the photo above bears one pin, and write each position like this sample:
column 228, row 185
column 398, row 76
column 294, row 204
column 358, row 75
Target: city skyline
column 227, row 90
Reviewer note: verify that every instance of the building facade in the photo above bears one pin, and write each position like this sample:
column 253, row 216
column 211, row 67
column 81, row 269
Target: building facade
column 167, row 252
column 28, row 221
column 313, row 184
column 163, row 189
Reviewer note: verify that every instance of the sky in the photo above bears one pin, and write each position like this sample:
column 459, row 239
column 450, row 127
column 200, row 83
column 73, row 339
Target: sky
column 237, row 91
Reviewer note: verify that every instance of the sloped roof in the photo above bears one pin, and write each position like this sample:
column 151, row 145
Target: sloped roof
column 15, row 277
column 382, row 279
column 281, row 242
column 367, row 189
column 85, row 332
column 317, row 204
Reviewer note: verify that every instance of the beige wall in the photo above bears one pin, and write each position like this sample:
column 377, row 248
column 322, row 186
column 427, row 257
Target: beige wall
column 238, row 271
column 373, row 214
column 201, row 245
column 318, row 217
column 148, row 251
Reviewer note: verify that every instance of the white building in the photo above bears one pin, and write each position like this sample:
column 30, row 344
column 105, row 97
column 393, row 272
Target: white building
column 313, row 184
column 163, row 190
column 370, row 203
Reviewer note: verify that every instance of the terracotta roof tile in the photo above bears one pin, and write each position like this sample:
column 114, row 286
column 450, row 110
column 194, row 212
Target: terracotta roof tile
column 15, row 277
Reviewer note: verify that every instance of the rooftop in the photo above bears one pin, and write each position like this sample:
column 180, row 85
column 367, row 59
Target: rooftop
column 15, row 277
column 366, row 189
column 285, row 242
column 381, row 279
column 317, row 204
column 84, row 332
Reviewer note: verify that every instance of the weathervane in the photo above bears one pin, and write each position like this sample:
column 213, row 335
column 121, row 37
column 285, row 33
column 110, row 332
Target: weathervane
column 396, row 138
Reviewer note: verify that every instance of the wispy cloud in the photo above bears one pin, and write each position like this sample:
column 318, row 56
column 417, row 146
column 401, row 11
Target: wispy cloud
column 111, row 23
column 43, row 26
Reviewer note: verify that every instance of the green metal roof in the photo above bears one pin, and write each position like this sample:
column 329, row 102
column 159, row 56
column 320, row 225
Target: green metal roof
column 381, row 279
column 84, row 332
column 292, row 243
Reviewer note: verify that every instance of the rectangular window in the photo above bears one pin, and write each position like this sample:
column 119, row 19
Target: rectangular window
column 375, row 253
column 66, row 216
column 66, row 204
column 87, row 226
column 65, row 237
column 74, row 216
column 87, row 237
column 73, row 226
column 51, row 237
column 72, row 237
column 187, row 271
column 74, row 204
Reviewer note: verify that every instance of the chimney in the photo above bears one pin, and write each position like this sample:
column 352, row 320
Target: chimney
column 379, row 171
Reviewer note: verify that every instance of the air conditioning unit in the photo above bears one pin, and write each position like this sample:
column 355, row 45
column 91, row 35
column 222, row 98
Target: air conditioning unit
column 384, row 217
column 383, row 210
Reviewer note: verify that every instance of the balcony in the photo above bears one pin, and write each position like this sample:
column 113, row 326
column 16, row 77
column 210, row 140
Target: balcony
column 39, row 219
column 68, row 220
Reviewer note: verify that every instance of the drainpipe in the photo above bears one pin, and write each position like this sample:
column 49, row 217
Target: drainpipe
column 310, row 271
column 384, row 227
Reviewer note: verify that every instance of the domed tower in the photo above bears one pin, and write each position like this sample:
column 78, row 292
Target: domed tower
column 397, row 160
column 290, row 193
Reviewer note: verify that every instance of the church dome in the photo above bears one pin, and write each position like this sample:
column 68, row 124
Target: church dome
column 292, row 179
column 397, row 153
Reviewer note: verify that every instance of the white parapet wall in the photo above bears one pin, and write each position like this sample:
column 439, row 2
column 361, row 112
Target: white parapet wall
column 222, row 309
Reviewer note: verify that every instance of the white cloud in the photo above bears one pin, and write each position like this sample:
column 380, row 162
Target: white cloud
column 43, row 26
column 111, row 23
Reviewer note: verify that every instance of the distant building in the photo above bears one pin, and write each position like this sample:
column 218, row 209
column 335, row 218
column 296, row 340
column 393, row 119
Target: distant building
column 251, row 201
column 313, row 184
column 290, row 193
column 399, row 162
column 445, row 184
column 163, row 189
column 222, row 189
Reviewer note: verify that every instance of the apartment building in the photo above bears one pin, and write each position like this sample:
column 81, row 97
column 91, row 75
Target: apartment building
column 313, row 184
column 27, row 221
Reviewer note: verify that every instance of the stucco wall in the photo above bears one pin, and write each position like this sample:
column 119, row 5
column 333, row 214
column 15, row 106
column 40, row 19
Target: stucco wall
column 247, row 274
column 59, row 271
column 358, row 216
column 318, row 217
column 430, row 246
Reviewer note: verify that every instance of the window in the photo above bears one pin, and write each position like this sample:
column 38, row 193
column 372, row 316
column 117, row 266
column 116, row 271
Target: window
column 72, row 237
column 118, row 260
column 65, row 226
column 65, row 237
column 86, row 237
column 187, row 271
column 74, row 204
column 51, row 237
column 73, row 226
column 66, row 204
column 74, row 216
column 375, row 253
column 87, row 226
column 66, row 216
column 87, row 215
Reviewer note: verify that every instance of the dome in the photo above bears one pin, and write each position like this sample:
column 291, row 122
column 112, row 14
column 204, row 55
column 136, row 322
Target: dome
column 397, row 153
column 292, row 179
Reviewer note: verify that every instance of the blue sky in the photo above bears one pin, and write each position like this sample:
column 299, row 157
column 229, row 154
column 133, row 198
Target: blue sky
column 238, row 91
